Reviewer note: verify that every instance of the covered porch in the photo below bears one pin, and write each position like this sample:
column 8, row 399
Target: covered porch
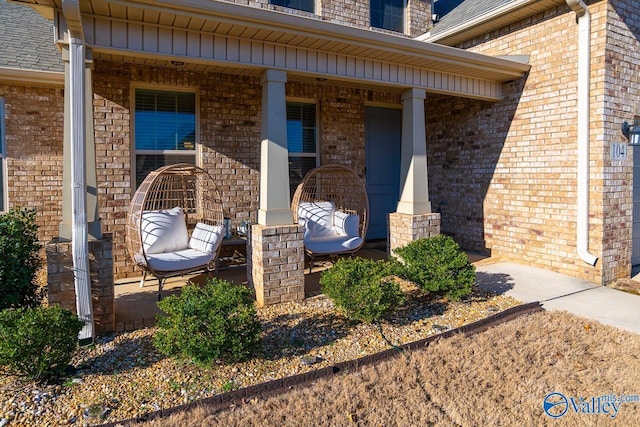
column 271, row 58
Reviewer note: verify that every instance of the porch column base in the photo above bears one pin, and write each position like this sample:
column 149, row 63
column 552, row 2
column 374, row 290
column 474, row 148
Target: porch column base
column 405, row 228
column 60, row 281
column 275, row 263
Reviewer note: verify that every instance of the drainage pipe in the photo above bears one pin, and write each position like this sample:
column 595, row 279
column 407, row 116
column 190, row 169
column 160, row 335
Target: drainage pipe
column 584, row 81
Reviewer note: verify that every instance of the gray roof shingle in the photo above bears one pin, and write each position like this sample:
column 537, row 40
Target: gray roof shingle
column 26, row 39
column 456, row 12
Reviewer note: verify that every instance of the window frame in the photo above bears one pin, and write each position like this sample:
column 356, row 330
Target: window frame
column 4, row 176
column 313, row 2
column 403, row 30
column 196, row 152
column 316, row 153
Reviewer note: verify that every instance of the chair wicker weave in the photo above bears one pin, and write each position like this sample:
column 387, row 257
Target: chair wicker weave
column 181, row 191
column 338, row 189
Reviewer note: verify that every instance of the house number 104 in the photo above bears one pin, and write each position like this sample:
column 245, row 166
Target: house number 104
column 618, row 151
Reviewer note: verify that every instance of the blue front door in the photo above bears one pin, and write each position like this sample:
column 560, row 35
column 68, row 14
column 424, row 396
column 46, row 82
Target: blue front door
column 383, row 138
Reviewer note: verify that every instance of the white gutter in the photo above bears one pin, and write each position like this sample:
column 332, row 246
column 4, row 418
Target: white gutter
column 31, row 76
column 584, row 81
column 77, row 130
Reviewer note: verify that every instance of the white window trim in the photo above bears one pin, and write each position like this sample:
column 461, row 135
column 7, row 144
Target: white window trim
column 197, row 152
column 3, row 158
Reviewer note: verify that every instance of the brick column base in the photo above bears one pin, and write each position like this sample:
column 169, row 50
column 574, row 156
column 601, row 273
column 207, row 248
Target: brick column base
column 61, row 287
column 405, row 228
column 275, row 263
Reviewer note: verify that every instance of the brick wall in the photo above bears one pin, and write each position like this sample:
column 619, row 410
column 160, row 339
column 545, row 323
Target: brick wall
column 504, row 175
column 34, row 121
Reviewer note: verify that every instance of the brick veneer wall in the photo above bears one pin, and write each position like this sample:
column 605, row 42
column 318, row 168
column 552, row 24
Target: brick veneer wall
column 34, row 121
column 229, row 117
column 504, row 175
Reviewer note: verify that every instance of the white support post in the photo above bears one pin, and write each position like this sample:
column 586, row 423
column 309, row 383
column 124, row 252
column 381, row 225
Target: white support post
column 274, row 155
column 414, row 187
column 79, row 232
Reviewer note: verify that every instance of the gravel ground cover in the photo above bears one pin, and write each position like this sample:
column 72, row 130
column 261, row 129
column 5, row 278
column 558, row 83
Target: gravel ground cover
column 122, row 376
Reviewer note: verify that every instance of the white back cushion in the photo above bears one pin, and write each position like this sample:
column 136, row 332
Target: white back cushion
column 164, row 231
column 206, row 238
column 347, row 224
column 317, row 217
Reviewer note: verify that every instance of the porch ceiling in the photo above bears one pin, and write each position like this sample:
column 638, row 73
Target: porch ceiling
column 224, row 36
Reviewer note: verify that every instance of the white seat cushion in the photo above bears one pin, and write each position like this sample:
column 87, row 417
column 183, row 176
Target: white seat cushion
column 185, row 259
column 164, row 231
column 206, row 238
column 332, row 244
column 317, row 217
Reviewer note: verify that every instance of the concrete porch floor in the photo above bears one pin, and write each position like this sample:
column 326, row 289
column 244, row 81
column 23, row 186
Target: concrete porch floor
column 136, row 307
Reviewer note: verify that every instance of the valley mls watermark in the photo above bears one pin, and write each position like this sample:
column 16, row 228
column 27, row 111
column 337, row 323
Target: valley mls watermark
column 557, row 404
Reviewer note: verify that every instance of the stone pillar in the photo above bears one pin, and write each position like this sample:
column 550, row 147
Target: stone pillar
column 60, row 278
column 405, row 228
column 275, row 263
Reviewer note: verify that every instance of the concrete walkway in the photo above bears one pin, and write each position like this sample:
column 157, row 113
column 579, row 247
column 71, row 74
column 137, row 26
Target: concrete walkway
column 559, row 292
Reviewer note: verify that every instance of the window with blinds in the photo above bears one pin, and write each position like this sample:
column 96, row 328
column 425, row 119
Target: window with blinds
column 387, row 14
column 301, row 141
column 3, row 160
column 165, row 130
column 306, row 5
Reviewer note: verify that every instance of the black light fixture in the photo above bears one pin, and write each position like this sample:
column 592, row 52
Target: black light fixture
column 632, row 132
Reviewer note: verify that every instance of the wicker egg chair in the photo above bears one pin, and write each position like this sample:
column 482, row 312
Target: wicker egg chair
column 331, row 203
column 175, row 223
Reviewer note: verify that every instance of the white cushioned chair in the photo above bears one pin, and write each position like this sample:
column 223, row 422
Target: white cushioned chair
column 175, row 223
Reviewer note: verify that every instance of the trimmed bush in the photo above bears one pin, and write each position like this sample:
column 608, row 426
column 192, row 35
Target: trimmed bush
column 37, row 343
column 362, row 288
column 437, row 265
column 19, row 252
column 216, row 322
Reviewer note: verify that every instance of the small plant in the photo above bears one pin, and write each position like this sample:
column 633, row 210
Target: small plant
column 362, row 288
column 19, row 252
column 37, row 343
column 216, row 322
column 437, row 265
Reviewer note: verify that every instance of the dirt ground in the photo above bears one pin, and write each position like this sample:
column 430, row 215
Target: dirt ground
column 499, row 377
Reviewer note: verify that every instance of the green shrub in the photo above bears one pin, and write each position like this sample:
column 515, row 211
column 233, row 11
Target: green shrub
column 205, row 324
column 37, row 343
column 437, row 265
column 19, row 252
column 362, row 288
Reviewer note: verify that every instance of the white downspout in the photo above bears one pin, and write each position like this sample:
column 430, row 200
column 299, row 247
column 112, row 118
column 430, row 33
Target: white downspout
column 77, row 129
column 584, row 82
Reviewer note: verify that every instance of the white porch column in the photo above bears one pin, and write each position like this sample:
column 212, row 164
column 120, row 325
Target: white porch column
column 274, row 160
column 414, row 187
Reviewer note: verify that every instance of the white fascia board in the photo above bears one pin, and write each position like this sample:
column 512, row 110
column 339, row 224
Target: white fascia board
column 493, row 14
column 32, row 76
column 304, row 26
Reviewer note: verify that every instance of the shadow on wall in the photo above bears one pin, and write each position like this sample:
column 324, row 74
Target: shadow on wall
column 465, row 139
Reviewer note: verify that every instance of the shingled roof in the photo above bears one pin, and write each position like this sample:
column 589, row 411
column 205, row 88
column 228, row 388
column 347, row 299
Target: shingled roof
column 453, row 13
column 26, row 40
